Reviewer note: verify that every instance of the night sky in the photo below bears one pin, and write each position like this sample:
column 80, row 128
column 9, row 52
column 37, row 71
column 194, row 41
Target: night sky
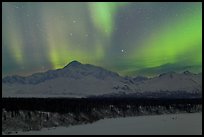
column 128, row 38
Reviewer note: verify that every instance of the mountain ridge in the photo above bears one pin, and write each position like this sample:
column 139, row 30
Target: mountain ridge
column 71, row 67
column 77, row 79
column 76, row 63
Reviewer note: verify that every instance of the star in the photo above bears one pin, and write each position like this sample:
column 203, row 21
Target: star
column 122, row 50
column 70, row 34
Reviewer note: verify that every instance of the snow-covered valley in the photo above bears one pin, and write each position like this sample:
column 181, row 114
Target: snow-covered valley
column 27, row 114
column 167, row 124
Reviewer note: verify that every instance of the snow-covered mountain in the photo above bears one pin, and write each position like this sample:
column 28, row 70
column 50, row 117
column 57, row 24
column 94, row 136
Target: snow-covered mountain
column 82, row 80
column 172, row 81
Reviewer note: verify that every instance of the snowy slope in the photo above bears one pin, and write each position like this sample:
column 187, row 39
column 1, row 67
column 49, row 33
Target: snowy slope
column 172, row 82
column 75, row 79
column 82, row 80
column 173, row 124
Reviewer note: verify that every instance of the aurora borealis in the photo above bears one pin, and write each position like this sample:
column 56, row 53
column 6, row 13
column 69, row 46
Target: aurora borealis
column 129, row 38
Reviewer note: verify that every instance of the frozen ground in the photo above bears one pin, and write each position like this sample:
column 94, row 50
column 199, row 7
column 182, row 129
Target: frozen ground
column 171, row 124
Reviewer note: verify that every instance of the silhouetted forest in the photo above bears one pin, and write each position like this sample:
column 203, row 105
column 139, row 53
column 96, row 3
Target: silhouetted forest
column 86, row 105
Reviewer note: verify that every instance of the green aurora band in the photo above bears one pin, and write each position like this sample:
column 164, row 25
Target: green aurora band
column 41, row 36
column 179, row 42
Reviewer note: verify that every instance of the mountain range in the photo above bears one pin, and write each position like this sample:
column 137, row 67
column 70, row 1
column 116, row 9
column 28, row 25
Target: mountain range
column 85, row 80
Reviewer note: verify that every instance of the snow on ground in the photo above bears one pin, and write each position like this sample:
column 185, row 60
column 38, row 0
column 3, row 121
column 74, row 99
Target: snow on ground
column 171, row 124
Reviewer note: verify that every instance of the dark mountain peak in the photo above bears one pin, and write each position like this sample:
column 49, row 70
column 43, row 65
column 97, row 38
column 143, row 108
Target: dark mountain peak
column 13, row 79
column 77, row 70
column 73, row 64
column 187, row 72
column 170, row 73
column 140, row 78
